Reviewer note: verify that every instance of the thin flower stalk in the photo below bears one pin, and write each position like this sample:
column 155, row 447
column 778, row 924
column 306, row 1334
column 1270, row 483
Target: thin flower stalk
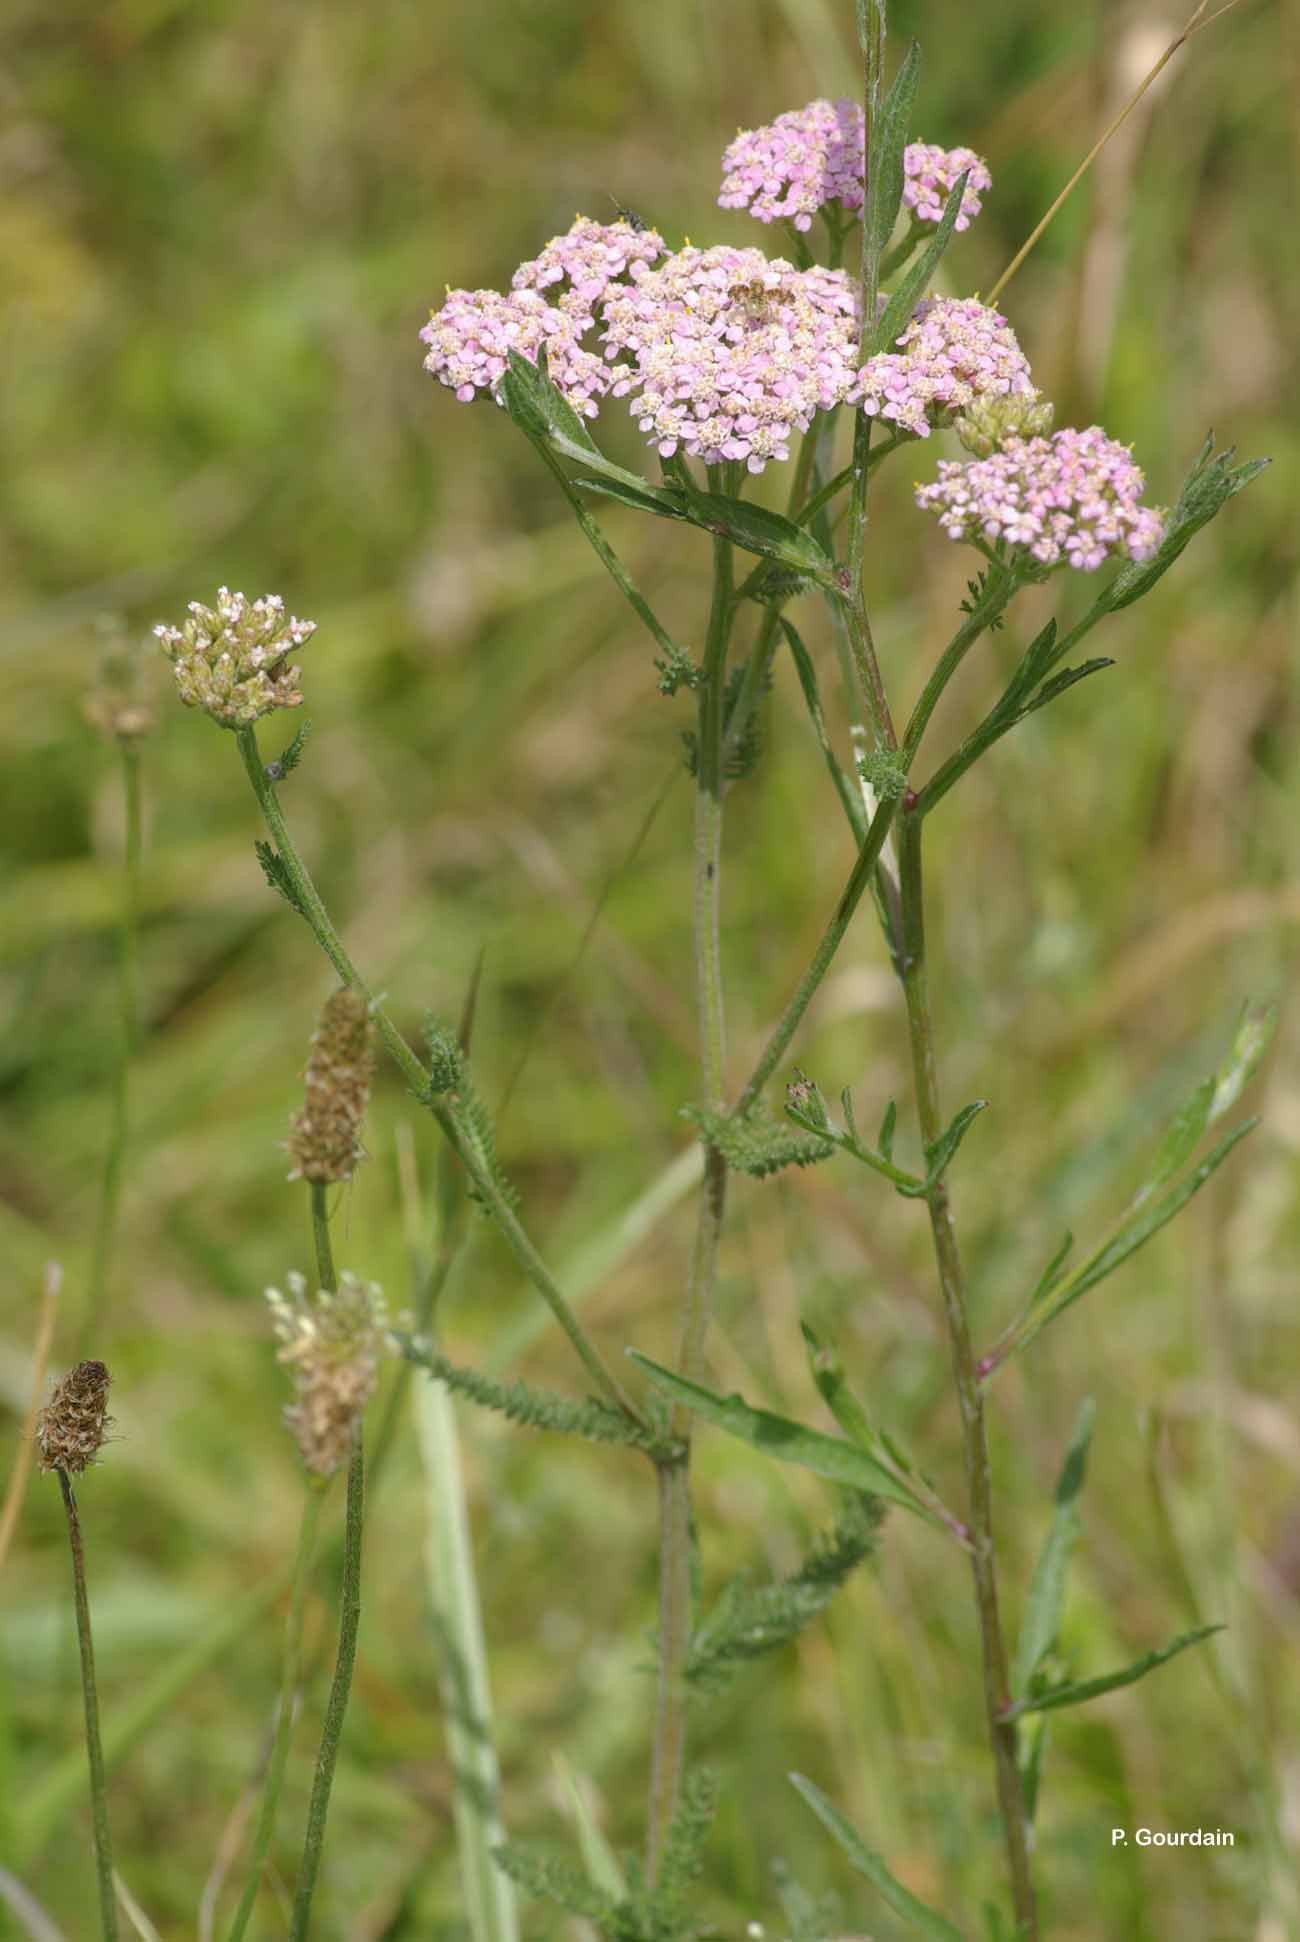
column 128, row 1032
column 290, row 1680
column 90, row 1697
column 349, row 1609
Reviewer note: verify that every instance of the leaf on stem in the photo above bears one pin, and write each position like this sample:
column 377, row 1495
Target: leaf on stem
column 277, row 874
column 757, row 1145
column 888, row 140
column 1077, row 1691
column 1059, row 1294
column 748, row 1622
column 1041, row 1623
column 787, row 1441
column 537, row 1409
column 926, row 1921
column 898, row 311
column 1212, row 481
column 939, row 1155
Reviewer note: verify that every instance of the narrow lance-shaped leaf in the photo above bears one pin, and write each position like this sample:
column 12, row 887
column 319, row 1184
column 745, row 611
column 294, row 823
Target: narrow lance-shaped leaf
column 888, row 141
column 780, row 1437
column 758, row 530
column 1042, row 1620
column 1131, row 1237
column 940, row 1153
column 903, row 302
column 926, row 1921
column 1079, row 1691
column 1212, row 481
column 850, row 798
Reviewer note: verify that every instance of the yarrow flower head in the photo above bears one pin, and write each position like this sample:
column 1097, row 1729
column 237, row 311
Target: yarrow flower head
column 731, row 351
column 589, row 256
column 1071, row 498
column 810, row 158
column 798, row 164
column 954, row 352
column 471, row 337
column 325, row 1142
column 470, row 340
column 332, row 1342
column 930, row 174
column 70, row 1429
column 231, row 659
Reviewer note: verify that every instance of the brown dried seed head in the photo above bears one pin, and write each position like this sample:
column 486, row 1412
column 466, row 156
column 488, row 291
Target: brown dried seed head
column 71, row 1427
column 325, row 1143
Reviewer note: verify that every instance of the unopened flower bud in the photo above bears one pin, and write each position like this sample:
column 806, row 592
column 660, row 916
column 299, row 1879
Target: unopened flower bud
column 332, row 1342
column 803, row 1097
column 989, row 421
column 325, row 1143
column 70, row 1429
column 231, row 659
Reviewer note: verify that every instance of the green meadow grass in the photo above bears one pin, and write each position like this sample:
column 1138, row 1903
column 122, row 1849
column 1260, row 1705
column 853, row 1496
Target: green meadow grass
column 221, row 228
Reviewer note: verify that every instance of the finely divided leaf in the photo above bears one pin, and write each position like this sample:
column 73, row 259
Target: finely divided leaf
column 926, row 1921
column 1080, row 1690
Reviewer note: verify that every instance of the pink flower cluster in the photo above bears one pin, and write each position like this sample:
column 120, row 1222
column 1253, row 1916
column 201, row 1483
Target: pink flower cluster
column 811, row 157
column 954, row 352
column 471, row 336
column 797, row 164
column 1073, row 497
column 731, row 351
column 930, row 174
column 592, row 256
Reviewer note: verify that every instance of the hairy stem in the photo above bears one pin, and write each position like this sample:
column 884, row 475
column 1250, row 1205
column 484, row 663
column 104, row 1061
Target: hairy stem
column 507, row 1222
column 952, row 1285
column 675, row 1612
column 110, row 1191
column 90, row 1697
column 289, row 1683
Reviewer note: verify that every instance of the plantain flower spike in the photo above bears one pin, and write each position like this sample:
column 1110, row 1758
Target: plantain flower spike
column 70, row 1430
column 332, row 1342
column 325, row 1141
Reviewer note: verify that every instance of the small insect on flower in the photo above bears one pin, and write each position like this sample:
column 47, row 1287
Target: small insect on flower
column 629, row 216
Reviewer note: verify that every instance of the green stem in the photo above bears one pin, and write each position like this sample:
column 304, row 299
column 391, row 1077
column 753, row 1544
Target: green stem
column 809, row 509
column 332, row 1732
column 675, row 1601
column 832, row 937
column 507, row 1222
column 284, row 1718
column 320, row 1233
column 90, row 1697
column 110, row 1194
column 985, row 611
column 952, row 1285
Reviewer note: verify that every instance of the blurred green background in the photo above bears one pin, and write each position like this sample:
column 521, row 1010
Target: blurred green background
column 221, row 229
